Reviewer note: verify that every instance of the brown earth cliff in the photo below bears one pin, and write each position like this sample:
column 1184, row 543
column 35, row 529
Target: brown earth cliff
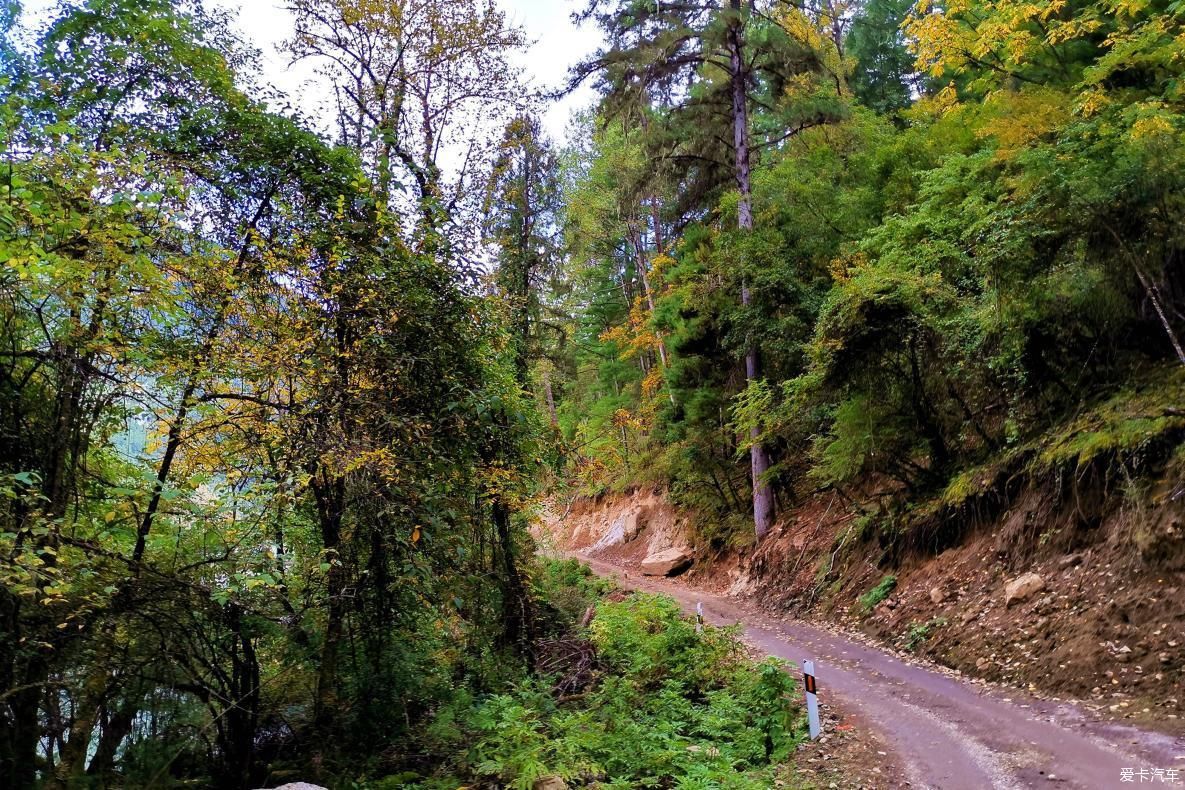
column 1028, row 597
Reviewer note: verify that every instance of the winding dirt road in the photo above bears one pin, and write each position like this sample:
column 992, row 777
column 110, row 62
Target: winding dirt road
column 948, row 733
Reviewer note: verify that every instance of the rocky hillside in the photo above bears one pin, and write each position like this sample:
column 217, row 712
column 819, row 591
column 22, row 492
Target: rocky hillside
column 641, row 530
column 1028, row 597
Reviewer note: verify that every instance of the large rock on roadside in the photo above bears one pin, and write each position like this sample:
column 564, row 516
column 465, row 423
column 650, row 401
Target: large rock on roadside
column 550, row 783
column 1022, row 588
column 937, row 595
column 666, row 563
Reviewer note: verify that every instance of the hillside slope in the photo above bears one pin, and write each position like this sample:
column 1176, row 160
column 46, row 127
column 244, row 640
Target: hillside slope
column 1089, row 616
column 939, row 729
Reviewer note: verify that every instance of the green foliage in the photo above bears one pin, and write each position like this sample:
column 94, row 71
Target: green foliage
column 919, row 632
column 938, row 274
column 566, row 589
column 672, row 707
column 882, row 77
column 870, row 599
column 1125, row 426
column 255, row 424
column 268, row 434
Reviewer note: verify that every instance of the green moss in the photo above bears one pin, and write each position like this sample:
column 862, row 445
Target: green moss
column 1119, row 426
column 961, row 487
column 1123, row 424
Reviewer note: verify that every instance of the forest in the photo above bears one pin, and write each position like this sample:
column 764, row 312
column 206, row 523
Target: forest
column 281, row 397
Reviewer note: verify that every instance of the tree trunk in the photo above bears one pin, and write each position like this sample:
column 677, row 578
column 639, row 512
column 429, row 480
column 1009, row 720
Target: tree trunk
column 517, row 617
column 330, row 498
column 166, row 465
column 1154, row 296
column 20, row 728
column 657, row 221
column 763, row 502
column 86, row 707
column 241, row 718
column 644, row 275
column 115, row 728
column 547, row 392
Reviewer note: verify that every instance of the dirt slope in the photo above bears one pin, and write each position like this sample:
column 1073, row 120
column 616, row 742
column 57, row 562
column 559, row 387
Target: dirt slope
column 1103, row 628
column 623, row 530
column 948, row 732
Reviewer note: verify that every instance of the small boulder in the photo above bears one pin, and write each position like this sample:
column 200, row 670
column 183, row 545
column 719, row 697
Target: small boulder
column 937, row 595
column 550, row 783
column 666, row 563
column 982, row 663
column 1022, row 588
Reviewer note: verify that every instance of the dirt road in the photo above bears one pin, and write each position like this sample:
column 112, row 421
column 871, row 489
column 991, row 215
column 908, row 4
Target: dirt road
column 948, row 733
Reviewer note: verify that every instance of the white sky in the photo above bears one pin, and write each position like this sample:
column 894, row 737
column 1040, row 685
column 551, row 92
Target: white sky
column 557, row 45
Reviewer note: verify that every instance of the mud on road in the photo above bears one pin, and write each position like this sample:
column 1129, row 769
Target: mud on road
column 945, row 731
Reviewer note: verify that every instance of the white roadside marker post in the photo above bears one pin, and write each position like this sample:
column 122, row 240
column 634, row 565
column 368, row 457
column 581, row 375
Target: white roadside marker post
column 699, row 617
column 812, row 701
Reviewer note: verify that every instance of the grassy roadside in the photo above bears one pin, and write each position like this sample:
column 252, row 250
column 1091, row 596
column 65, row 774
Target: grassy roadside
column 626, row 694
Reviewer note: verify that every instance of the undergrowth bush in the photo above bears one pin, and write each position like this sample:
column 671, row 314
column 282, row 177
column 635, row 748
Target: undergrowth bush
column 564, row 589
column 669, row 707
column 920, row 632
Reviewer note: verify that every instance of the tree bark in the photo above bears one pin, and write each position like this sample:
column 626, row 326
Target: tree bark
column 763, row 502
column 329, row 494
column 644, row 275
column 517, row 618
column 86, row 707
column 241, row 718
column 115, row 727
column 547, row 391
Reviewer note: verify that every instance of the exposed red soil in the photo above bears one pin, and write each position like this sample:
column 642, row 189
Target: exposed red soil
column 1108, row 628
column 943, row 729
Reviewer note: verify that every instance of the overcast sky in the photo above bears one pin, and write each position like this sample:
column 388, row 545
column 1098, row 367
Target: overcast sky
column 557, row 44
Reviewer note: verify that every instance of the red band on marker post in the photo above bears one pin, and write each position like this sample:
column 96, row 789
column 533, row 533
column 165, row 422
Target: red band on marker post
column 809, row 682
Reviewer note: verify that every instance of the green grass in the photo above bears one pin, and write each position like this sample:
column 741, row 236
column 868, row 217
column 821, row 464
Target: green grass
column 920, row 632
column 880, row 592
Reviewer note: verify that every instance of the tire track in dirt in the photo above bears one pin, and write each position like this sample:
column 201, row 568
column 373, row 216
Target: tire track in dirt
column 948, row 733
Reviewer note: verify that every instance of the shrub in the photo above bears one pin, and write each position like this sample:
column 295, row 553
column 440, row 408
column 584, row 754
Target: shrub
column 920, row 632
column 880, row 592
column 673, row 708
column 565, row 588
